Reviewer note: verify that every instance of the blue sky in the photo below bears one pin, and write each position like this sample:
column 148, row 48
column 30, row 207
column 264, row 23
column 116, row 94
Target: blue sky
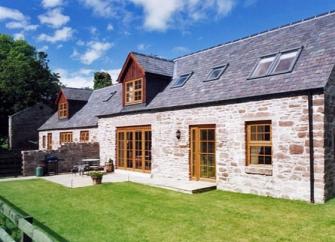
column 84, row 36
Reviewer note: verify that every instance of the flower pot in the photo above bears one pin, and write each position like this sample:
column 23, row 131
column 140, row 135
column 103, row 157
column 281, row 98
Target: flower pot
column 96, row 180
column 109, row 167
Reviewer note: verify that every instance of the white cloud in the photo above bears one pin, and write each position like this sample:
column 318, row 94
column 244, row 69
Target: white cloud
column 51, row 3
column 95, row 50
column 44, row 48
column 110, row 27
column 54, row 18
column 83, row 77
column 10, row 13
column 101, row 8
column 21, row 25
column 143, row 47
column 80, row 43
column 159, row 16
column 93, row 30
column 18, row 36
column 158, row 13
column 62, row 34
column 180, row 49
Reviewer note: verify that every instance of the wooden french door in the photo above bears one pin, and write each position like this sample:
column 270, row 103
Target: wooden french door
column 134, row 148
column 202, row 152
column 49, row 141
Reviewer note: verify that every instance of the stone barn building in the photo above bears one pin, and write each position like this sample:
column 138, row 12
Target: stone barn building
column 254, row 115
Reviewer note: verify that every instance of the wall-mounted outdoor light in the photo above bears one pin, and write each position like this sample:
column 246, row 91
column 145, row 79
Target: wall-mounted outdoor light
column 178, row 134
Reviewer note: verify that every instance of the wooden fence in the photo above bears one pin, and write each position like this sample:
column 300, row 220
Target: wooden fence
column 10, row 164
column 31, row 230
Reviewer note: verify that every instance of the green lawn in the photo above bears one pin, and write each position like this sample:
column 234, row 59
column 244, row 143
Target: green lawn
column 131, row 212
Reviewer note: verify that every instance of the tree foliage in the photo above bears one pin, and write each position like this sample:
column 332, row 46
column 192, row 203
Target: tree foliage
column 102, row 79
column 25, row 77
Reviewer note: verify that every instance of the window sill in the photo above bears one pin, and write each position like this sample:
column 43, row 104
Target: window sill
column 265, row 170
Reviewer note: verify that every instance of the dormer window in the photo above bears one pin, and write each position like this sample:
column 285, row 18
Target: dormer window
column 134, row 91
column 180, row 81
column 63, row 110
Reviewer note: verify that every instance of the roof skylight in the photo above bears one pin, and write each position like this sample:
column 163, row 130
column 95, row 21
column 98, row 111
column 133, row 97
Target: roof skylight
column 180, row 81
column 279, row 63
column 216, row 73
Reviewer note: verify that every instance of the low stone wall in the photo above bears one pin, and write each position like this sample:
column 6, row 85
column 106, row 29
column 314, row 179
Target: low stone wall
column 70, row 154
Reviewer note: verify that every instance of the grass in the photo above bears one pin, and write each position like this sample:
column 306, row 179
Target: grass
column 132, row 212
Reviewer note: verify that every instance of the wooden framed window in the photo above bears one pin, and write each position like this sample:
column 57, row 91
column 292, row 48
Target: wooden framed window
column 134, row 91
column 84, row 136
column 65, row 137
column 259, row 143
column 134, row 148
column 63, row 110
column 43, row 141
column 49, row 141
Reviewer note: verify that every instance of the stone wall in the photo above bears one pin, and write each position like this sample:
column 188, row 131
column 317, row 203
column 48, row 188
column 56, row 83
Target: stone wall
column 23, row 125
column 289, row 175
column 75, row 136
column 70, row 154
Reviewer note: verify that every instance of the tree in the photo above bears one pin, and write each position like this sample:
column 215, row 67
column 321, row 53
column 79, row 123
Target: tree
column 102, row 79
column 25, row 78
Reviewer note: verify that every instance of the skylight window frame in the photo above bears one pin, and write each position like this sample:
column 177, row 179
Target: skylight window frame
column 224, row 68
column 275, row 63
column 298, row 50
column 174, row 85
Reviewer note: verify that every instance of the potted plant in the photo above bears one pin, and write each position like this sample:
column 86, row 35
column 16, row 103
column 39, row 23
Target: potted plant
column 96, row 177
column 109, row 166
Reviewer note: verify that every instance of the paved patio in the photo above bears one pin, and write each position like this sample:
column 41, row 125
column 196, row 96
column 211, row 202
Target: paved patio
column 190, row 187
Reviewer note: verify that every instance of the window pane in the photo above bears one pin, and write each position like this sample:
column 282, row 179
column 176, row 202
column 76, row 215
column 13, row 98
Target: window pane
column 286, row 61
column 215, row 73
column 263, row 66
column 181, row 80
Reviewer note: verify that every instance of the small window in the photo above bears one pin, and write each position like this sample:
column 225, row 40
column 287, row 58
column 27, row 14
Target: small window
column 216, row 73
column 286, row 61
column 63, row 110
column 134, row 91
column 264, row 66
column 43, row 141
column 259, row 143
column 65, row 137
column 180, row 81
column 84, row 136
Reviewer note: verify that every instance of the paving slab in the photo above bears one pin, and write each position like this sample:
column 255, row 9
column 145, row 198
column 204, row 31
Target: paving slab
column 190, row 187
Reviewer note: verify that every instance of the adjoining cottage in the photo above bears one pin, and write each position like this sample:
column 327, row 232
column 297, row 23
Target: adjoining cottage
column 254, row 115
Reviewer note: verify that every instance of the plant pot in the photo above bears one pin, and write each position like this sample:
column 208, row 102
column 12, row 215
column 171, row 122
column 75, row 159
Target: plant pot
column 97, row 180
column 109, row 167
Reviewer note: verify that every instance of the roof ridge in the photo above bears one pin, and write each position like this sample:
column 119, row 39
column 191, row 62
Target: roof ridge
column 325, row 14
column 77, row 88
column 152, row 56
column 110, row 86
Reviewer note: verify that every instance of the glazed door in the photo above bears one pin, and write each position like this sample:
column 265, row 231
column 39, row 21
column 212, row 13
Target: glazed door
column 202, row 141
column 134, row 148
column 49, row 141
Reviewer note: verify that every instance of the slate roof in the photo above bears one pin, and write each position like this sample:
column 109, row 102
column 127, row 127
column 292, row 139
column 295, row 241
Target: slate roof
column 312, row 70
column 76, row 94
column 99, row 100
column 154, row 64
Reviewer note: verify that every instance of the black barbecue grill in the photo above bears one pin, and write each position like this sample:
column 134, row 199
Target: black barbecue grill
column 50, row 165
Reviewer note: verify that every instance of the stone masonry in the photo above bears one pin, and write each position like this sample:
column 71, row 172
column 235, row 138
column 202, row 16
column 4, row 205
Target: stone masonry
column 289, row 175
column 70, row 155
column 75, row 136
